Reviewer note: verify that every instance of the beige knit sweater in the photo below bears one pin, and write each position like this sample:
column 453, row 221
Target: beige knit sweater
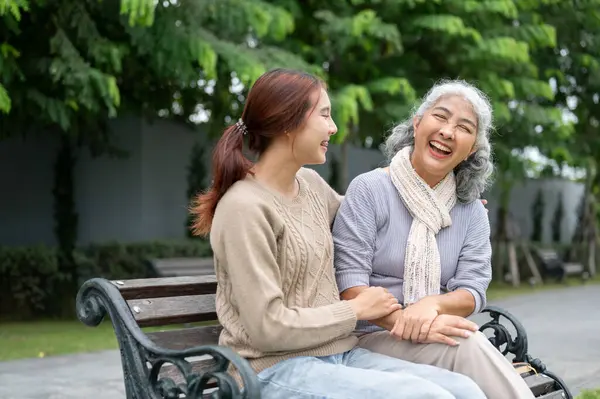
column 277, row 296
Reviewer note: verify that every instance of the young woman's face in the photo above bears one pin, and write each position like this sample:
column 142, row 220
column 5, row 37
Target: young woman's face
column 444, row 137
column 309, row 144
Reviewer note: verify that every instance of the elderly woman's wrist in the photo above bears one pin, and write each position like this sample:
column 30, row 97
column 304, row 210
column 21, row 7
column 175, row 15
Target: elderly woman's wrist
column 433, row 302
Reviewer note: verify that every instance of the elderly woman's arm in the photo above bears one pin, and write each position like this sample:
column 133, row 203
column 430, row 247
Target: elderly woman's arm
column 354, row 234
column 467, row 288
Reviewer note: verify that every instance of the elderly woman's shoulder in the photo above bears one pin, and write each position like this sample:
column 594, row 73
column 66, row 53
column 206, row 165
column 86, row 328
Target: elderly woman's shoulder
column 475, row 209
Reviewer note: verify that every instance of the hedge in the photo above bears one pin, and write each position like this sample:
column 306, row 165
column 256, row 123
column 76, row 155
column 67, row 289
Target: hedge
column 32, row 284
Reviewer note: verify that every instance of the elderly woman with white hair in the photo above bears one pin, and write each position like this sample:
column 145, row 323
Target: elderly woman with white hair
column 418, row 229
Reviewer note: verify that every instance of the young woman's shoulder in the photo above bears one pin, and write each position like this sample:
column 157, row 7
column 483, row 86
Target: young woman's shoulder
column 245, row 201
column 312, row 177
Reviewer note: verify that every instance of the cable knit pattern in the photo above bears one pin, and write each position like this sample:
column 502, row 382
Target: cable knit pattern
column 277, row 295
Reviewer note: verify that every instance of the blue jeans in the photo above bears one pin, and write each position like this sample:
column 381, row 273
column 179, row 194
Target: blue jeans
column 362, row 374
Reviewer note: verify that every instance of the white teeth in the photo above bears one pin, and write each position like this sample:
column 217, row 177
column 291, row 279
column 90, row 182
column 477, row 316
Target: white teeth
column 325, row 143
column 440, row 146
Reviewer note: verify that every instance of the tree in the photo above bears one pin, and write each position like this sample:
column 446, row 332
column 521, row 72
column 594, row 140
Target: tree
column 136, row 57
column 574, row 67
column 68, row 67
column 410, row 44
column 349, row 40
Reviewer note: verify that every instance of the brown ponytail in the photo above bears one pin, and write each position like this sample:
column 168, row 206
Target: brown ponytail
column 229, row 165
column 277, row 102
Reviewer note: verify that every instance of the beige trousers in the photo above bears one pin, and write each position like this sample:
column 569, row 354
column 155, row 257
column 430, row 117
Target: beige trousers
column 475, row 357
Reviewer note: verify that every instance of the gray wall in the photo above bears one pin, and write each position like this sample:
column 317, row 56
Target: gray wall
column 523, row 196
column 26, row 194
column 143, row 196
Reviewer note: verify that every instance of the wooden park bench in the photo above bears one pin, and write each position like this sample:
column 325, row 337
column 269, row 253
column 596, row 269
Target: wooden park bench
column 554, row 266
column 188, row 362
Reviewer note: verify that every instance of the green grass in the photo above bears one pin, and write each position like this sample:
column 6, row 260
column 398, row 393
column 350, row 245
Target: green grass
column 589, row 394
column 50, row 338
column 47, row 338
column 20, row 340
column 499, row 291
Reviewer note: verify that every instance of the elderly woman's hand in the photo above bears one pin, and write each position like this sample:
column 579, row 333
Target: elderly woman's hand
column 415, row 321
column 445, row 326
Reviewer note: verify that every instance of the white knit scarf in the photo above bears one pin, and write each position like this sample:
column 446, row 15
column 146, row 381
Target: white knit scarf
column 430, row 209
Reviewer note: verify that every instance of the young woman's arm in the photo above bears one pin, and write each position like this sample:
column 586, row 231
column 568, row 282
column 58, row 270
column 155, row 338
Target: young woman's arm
column 244, row 240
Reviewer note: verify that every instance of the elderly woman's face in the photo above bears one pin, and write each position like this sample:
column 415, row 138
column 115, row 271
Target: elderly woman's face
column 444, row 137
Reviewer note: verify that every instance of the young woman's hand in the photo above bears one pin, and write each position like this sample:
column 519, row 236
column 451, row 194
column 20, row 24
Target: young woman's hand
column 373, row 303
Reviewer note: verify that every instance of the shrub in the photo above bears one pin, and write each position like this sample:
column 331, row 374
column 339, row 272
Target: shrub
column 32, row 283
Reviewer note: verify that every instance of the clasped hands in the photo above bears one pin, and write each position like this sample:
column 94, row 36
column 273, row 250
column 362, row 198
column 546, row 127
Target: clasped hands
column 421, row 322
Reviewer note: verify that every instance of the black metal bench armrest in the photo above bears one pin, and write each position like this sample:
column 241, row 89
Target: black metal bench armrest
column 517, row 346
column 98, row 296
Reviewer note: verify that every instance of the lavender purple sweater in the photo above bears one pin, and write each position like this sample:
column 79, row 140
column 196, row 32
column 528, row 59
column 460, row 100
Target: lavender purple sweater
column 370, row 234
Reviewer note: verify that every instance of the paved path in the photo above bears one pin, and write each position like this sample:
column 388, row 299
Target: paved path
column 563, row 328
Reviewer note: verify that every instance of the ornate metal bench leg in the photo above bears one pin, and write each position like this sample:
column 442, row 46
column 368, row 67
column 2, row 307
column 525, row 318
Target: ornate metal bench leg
column 142, row 359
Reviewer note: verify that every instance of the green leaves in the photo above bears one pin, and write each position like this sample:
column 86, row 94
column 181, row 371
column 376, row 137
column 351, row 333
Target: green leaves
column 92, row 58
column 393, row 87
column 139, row 12
column 75, row 64
column 357, row 30
column 347, row 103
column 502, row 49
column 5, row 102
column 13, row 7
column 527, row 87
column 446, row 24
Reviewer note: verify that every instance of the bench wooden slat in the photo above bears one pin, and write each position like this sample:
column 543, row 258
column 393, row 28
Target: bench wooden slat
column 166, row 287
column 548, row 254
column 183, row 262
column 560, row 394
column 173, row 310
column 182, row 266
column 186, row 337
column 573, row 268
column 539, row 384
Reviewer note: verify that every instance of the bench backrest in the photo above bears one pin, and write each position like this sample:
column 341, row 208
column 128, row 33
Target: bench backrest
column 174, row 301
column 173, row 267
column 547, row 254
